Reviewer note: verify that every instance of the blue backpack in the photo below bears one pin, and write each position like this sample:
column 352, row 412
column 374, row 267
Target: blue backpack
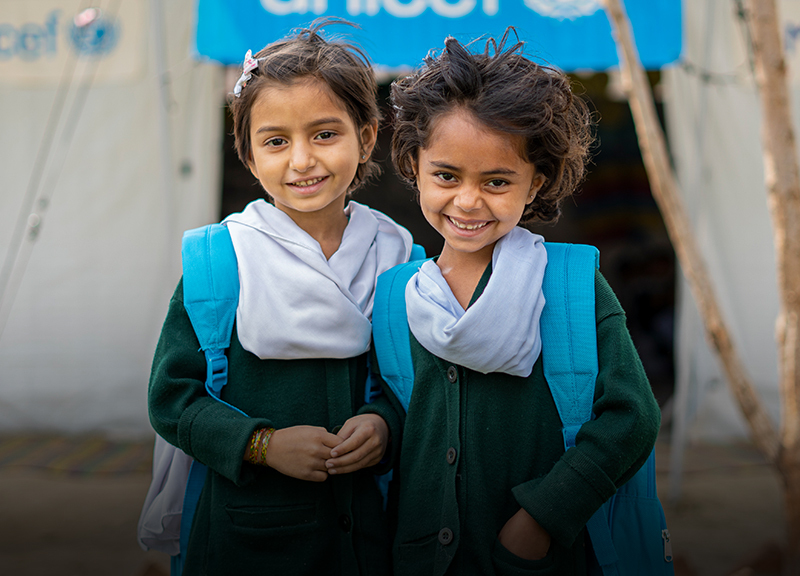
column 210, row 296
column 628, row 534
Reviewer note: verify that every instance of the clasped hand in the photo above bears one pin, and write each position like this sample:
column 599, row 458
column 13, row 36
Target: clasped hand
column 312, row 453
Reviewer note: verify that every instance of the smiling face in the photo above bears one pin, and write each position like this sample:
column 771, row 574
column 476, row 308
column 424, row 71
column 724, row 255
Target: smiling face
column 473, row 185
column 306, row 149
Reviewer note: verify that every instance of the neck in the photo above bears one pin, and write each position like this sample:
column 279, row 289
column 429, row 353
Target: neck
column 329, row 234
column 325, row 226
column 463, row 270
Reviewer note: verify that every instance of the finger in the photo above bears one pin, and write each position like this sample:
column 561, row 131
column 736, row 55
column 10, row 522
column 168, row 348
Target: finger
column 330, row 440
column 359, row 437
column 347, row 469
column 363, row 453
column 347, row 429
column 317, row 476
column 354, row 466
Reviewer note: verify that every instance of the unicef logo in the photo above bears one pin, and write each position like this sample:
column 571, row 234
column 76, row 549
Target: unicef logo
column 92, row 34
column 564, row 9
column 89, row 33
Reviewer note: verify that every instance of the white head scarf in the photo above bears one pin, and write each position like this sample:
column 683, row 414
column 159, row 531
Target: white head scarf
column 294, row 302
column 499, row 332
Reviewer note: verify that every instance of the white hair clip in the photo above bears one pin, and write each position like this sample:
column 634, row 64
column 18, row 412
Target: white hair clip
column 249, row 65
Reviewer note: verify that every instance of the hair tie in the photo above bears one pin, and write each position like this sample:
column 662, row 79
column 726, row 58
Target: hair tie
column 249, row 65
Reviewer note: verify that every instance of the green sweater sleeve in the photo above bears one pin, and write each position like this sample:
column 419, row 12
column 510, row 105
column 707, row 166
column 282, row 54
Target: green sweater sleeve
column 609, row 449
column 180, row 409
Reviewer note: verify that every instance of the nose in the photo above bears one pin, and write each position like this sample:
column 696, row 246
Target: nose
column 468, row 198
column 301, row 158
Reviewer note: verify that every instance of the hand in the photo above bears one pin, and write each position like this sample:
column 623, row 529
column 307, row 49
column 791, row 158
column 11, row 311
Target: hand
column 301, row 452
column 365, row 438
column 524, row 537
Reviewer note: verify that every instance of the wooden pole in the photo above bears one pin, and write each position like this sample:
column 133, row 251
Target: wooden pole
column 782, row 179
column 665, row 191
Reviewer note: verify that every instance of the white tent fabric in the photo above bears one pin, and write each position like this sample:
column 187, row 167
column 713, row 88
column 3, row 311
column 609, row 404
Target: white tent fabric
column 129, row 168
column 713, row 121
column 139, row 161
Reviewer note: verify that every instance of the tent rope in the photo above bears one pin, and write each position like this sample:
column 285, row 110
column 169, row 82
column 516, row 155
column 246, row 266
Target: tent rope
column 26, row 219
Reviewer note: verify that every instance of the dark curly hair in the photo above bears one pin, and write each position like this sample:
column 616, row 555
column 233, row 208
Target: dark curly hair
column 508, row 92
column 343, row 67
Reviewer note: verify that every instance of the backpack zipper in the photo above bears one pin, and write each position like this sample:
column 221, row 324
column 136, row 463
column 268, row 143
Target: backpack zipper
column 667, row 545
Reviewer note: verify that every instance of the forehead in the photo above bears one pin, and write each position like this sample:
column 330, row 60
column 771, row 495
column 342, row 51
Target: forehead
column 459, row 133
column 305, row 97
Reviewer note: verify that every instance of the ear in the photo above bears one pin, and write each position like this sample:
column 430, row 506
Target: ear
column 251, row 164
column 415, row 168
column 537, row 183
column 369, row 136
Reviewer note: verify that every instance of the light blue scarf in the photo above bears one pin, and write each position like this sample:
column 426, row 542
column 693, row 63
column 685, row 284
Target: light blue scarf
column 499, row 332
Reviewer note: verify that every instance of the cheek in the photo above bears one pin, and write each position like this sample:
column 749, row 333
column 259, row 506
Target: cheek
column 429, row 205
column 517, row 207
column 428, row 200
column 432, row 217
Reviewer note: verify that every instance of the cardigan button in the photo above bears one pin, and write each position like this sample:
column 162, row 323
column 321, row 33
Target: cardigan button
column 345, row 523
column 452, row 374
column 445, row 536
column 451, row 455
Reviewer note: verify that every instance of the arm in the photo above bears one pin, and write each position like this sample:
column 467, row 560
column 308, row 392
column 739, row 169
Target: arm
column 184, row 414
column 180, row 409
column 610, row 448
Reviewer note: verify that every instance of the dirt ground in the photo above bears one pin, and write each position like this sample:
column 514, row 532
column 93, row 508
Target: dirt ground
column 729, row 516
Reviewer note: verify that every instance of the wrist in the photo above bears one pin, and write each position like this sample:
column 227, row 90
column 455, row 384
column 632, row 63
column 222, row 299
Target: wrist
column 256, row 452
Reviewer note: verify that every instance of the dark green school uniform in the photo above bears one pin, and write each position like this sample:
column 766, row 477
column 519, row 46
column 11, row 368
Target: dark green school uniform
column 252, row 519
column 475, row 448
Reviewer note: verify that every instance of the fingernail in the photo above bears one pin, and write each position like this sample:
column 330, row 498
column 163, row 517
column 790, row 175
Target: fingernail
column 329, row 464
column 334, row 454
column 331, row 471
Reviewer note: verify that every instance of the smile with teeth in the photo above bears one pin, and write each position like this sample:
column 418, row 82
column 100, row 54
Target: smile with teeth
column 465, row 226
column 309, row 182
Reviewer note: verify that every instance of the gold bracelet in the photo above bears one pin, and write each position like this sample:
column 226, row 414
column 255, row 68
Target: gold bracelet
column 255, row 441
column 265, row 443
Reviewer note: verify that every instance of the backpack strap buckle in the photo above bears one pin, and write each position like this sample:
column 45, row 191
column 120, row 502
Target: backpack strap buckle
column 216, row 371
column 570, row 432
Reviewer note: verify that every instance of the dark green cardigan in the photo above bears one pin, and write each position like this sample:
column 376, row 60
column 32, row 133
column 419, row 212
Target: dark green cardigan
column 473, row 451
column 252, row 519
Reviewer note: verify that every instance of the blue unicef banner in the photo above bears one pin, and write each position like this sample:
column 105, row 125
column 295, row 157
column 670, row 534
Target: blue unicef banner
column 570, row 34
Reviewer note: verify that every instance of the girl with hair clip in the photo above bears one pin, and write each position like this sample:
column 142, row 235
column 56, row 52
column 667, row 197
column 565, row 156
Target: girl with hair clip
column 305, row 124
column 491, row 142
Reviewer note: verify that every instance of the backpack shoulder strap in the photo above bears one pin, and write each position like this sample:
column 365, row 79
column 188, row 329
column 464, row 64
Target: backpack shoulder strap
column 417, row 253
column 569, row 356
column 373, row 387
column 210, row 284
column 390, row 330
column 210, row 296
column 569, row 342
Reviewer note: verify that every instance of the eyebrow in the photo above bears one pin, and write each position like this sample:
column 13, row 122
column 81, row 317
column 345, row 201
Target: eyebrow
column 446, row 166
column 313, row 124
